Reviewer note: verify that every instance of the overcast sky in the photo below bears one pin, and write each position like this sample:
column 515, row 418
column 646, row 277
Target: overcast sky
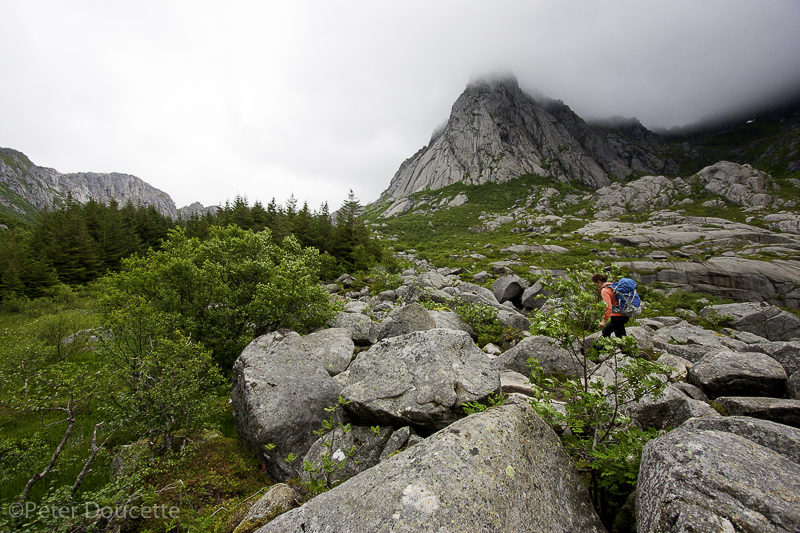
column 209, row 100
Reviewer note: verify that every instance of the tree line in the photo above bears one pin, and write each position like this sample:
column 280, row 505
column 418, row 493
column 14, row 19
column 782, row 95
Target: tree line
column 78, row 243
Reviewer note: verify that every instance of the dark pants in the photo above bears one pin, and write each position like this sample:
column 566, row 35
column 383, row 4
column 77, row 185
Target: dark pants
column 616, row 325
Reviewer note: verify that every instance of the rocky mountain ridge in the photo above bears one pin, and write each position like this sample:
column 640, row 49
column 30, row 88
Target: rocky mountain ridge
column 27, row 187
column 496, row 132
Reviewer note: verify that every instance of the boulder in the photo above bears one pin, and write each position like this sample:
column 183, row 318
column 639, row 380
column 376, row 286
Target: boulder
column 738, row 373
column 346, row 280
column 679, row 365
column 331, row 348
column 786, row 353
column 778, row 410
column 387, row 296
column 361, row 328
column 553, row 359
column 408, row 292
column 481, row 277
column 693, row 342
column 278, row 397
column 500, row 470
column 671, row 410
column 515, row 383
column 486, row 295
column 507, row 288
column 712, row 481
column 278, row 499
column 405, row 319
column 419, row 379
column 350, row 453
column 758, row 318
column 779, row 438
column 513, row 319
column 433, row 280
column 531, row 297
column 793, row 386
column 450, row 320
column 399, row 440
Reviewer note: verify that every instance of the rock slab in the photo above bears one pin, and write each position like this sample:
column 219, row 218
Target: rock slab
column 279, row 396
column 711, row 481
column 419, row 379
column 500, row 470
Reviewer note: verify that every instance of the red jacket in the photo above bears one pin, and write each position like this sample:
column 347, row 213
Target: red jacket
column 607, row 294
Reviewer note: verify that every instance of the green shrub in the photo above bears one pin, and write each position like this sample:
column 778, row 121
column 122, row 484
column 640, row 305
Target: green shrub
column 483, row 320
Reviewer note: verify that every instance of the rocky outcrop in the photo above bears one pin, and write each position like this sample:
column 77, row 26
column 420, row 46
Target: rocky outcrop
column 500, row 470
column 738, row 184
column 667, row 229
column 743, row 280
column 196, row 210
column 496, row 133
column 645, row 193
column 758, row 318
column 43, row 187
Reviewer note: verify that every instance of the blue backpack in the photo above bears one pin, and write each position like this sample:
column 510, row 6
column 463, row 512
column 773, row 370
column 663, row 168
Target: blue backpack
column 628, row 301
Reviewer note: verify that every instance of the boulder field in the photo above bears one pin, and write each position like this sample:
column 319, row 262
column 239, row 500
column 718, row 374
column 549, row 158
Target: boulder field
column 389, row 380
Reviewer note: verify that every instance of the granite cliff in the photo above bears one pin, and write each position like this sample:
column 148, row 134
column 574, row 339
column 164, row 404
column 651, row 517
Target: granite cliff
column 26, row 187
column 496, row 132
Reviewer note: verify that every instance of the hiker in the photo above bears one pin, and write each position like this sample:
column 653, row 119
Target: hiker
column 612, row 322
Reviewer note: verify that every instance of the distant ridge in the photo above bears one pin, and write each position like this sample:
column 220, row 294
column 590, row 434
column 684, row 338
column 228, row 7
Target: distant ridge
column 27, row 187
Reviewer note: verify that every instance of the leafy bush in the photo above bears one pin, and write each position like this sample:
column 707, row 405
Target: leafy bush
column 483, row 320
column 226, row 290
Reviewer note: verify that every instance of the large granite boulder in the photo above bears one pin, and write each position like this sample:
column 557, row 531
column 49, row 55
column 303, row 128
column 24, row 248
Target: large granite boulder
column 738, row 374
column 332, row 348
column 779, row 438
column 786, row 353
column 500, row 470
column 758, row 318
column 693, row 342
column 419, row 379
column 507, row 288
column 450, row 320
column 513, row 319
column 361, row 328
column 778, row 410
column 671, row 409
column 712, row 481
column 405, row 319
column 279, row 395
column 553, row 359
column 532, row 296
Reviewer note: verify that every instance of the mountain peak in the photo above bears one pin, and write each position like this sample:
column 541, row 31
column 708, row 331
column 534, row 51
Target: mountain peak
column 496, row 132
